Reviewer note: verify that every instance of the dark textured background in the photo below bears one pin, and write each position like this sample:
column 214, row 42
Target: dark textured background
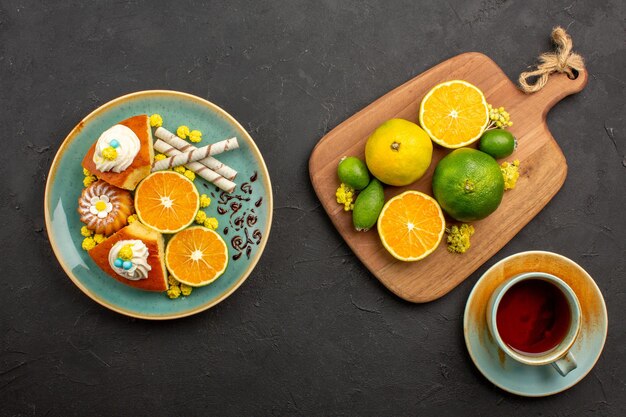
column 311, row 332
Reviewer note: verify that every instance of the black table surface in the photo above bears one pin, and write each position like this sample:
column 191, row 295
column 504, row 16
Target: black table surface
column 311, row 332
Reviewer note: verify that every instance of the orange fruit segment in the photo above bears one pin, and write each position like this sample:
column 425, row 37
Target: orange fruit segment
column 196, row 256
column 454, row 114
column 411, row 226
column 166, row 201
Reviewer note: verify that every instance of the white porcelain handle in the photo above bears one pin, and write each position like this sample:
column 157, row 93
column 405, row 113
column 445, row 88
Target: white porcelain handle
column 565, row 365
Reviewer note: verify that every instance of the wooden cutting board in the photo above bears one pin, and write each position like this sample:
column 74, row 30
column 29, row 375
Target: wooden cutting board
column 542, row 173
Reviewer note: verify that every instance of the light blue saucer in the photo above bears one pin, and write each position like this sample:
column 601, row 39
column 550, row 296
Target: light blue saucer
column 525, row 380
column 64, row 186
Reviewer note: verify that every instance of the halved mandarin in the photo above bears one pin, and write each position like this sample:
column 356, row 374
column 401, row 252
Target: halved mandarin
column 196, row 256
column 166, row 201
column 454, row 114
column 411, row 226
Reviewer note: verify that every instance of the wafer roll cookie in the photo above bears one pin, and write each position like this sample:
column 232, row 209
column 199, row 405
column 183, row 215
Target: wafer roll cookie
column 183, row 146
column 196, row 154
column 201, row 170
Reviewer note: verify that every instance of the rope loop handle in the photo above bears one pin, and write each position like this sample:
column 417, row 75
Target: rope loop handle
column 562, row 60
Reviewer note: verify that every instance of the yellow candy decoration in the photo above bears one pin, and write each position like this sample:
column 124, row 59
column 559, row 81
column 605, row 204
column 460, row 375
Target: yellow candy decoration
column 87, row 181
column 200, row 217
column 205, row 201
column 126, row 253
column 182, row 132
column 88, row 243
column 185, row 289
column 156, row 120
column 173, row 291
column 109, row 153
column 189, row 174
column 211, row 223
column 195, row 136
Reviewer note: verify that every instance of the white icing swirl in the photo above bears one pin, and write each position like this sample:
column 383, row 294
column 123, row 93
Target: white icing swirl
column 127, row 149
column 140, row 268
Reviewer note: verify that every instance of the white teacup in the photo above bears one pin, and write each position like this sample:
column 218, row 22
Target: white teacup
column 559, row 356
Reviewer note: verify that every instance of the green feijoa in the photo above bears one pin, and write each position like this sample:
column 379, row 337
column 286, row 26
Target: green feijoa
column 499, row 143
column 368, row 206
column 353, row 172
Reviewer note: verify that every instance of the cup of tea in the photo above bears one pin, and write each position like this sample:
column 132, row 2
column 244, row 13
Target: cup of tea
column 535, row 319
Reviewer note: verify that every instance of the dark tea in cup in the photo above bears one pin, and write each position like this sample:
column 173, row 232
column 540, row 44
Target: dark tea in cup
column 533, row 316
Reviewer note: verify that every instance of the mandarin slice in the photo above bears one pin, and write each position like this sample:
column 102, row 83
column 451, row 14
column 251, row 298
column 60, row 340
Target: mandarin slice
column 196, row 256
column 454, row 114
column 411, row 226
column 166, row 201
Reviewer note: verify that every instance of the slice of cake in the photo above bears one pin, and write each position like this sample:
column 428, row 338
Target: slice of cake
column 123, row 154
column 134, row 256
